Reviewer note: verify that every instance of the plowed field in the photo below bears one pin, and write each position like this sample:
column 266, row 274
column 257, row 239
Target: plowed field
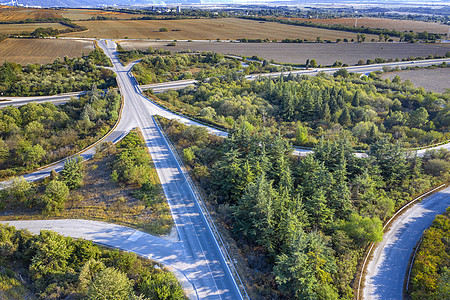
column 12, row 14
column 400, row 25
column 204, row 29
column 325, row 54
column 431, row 80
column 24, row 51
column 27, row 27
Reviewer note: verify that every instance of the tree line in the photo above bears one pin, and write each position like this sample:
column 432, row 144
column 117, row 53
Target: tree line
column 62, row 76
column 364, row 110
column 34, row 134
column 302, row 223
column 404, row 36
column 155, row 68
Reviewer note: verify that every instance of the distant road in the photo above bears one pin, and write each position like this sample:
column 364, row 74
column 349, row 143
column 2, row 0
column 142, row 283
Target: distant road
column 386, row 271
column 180, row 84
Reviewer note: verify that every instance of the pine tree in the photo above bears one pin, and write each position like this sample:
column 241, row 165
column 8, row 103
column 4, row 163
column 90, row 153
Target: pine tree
column 72, row 172
column 326, row 114
column 345, row 119
column 356, row 101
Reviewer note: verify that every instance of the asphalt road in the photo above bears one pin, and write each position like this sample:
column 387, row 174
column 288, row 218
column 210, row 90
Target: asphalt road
column 207, row 269
column 386, row 271
column 169, row 253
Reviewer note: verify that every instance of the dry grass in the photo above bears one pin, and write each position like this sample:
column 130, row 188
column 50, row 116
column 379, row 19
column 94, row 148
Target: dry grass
column 12, row 14
column 325, row 54
column 28, row 27
column 430, row 79
column 204, row 29
column 86, row 14
column 41, row 50
column 101, row 199
column 399, row 25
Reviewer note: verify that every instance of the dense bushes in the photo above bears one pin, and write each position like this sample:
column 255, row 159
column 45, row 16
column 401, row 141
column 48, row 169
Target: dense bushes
column 62, row 76
column 157, row 68
column 133, row 166
column 431, row 270
column 306, row 108
column 37, row 134
column 303, row 223
column 57, row 267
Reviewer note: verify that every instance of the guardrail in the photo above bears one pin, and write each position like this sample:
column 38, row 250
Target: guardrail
column 209, row 221
column 369, row 252
column 82, row 150
column 412, row 262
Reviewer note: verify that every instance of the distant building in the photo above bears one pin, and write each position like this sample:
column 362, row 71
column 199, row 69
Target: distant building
column 178, row 9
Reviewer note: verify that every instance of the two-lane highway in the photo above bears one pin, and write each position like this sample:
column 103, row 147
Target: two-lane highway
column 207, row 269
column 387, row 270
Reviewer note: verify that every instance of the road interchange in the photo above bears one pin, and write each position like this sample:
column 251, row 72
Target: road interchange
column 215, row 281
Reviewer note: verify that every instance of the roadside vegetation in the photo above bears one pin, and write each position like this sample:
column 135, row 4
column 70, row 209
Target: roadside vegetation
column 160, row 65
column 302, row 224
column 50, row 266
column 430, row 277
column 62, row 76
column 34, row 135
column 364, row 110
column 119, row 185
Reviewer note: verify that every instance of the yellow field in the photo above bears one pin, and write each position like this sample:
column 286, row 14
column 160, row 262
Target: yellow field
column 399, row 25
column 25, row 51
column 11, row 14
column 86, row 14
column 204, row 29
column 19, row 28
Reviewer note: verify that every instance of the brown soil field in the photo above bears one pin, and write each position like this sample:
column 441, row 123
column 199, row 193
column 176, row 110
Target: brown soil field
column 204, row 29
column 400, row 25
column 86, row 14
column 325, row 54
column 436, row 80
column 10, row 14
column 25, row 51
column 28, row 27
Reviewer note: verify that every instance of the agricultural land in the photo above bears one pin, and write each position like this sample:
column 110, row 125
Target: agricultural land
column 86, row 14
column 42, row 51
column 399, row 25
column 435, row 80
column 16, row 14
column 28, row 27
column 324, row 54
column 204, row 29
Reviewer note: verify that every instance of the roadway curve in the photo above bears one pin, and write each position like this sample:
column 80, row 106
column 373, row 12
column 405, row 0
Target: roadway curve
column 203, row 262
column 207, row 269
column 169, row 253
column 386, row 272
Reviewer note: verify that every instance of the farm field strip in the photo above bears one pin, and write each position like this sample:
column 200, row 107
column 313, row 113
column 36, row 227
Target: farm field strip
column 27, row 27
column 430, row 79
column 86, row 14
column 324, row 54
column 14, row 14
column 399, row 25
column 204, row 29
column 41, row 50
